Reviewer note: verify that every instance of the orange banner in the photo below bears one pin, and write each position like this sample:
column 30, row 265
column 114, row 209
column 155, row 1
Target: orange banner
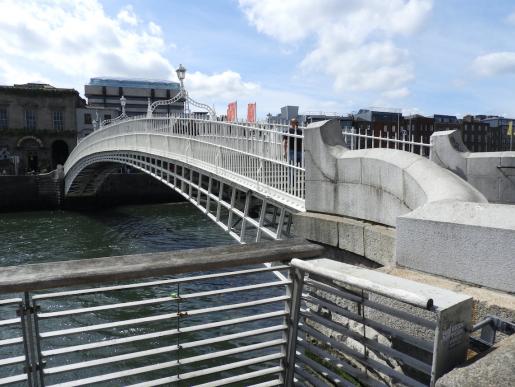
column 232, row 111
column 251, row 112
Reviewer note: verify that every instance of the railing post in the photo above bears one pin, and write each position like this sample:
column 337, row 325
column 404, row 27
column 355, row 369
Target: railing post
column 33, row 366
column 297, row 277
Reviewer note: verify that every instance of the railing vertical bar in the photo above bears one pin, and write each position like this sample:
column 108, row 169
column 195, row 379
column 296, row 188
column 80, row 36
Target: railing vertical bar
column 26, row 346
column 245, row 215
column 297, row 277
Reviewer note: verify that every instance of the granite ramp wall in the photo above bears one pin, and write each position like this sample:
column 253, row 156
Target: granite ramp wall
column 443, row 225
column 492, row 173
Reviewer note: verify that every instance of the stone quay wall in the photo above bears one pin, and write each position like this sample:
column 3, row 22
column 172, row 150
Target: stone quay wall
column 46, row 192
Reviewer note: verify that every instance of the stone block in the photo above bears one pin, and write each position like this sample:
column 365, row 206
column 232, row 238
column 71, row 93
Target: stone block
column 471, row 242
column 320, row 196
column 382, row 175
column 368, row 203
column 507, row 189
column 497, row 368
column 317, row 227
column 349, row 170
column 379, row 244
column 481, row 165
column 414, row 195
column 350, row 236
column 314, row 173
column 487, row 185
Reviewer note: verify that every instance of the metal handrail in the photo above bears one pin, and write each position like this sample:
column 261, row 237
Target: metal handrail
column 405, row 144
column 96, row 270
column 52, row 353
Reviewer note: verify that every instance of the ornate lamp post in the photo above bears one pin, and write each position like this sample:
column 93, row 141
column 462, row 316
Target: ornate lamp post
column 182, row 94
column 123, row 102
column 181, row 74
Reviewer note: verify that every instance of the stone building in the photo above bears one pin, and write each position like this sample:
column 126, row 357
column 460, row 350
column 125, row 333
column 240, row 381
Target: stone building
column 38, row 127
column 87, row 115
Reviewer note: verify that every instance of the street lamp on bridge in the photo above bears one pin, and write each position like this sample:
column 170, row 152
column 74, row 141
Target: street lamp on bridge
column 181, row 95
column 123, row 102
column 181, row 74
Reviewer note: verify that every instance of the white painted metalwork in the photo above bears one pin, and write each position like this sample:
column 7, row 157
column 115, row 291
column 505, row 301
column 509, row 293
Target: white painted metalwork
column 248, row 178
column 122, row 116
column 181, row 96
column 355, row 139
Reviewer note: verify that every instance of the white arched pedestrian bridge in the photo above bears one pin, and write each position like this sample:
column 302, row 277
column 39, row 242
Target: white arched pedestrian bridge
column 236, row 173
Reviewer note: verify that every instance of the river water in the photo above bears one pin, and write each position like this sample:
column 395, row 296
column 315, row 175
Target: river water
column 43, row 236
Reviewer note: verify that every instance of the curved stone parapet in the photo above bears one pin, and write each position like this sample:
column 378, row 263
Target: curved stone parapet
column 443, row 225
column 492, row 173
column 377, row 185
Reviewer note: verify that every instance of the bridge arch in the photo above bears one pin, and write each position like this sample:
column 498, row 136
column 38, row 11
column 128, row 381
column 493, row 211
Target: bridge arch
column 245, row 214
column 225, row 169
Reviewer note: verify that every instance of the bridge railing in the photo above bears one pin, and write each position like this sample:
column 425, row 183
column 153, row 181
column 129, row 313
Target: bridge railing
column 359, row 139
column 268, row 154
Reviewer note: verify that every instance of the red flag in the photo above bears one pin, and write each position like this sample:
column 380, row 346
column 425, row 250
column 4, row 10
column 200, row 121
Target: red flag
column 251, row 112
column 232, row 111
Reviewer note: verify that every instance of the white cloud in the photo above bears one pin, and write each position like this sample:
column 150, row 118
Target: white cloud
column 78, row 39
column 11, row 74
column 225, row 86
column 354, row 39
column 128, row 16
column 155, row 29
column 74, row 40
column 396, row 93
column 496, row 63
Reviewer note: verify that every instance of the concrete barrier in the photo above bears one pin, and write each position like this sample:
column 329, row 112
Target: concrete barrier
column 376, row 185
column 492, row 173
column 443, row 225
column 471, row 242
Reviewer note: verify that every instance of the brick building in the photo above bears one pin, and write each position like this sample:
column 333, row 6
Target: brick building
column 499, row 131
column 478, row 136
column 38, row 127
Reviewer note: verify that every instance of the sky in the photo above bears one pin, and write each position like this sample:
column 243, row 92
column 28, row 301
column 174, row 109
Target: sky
column 421, row 56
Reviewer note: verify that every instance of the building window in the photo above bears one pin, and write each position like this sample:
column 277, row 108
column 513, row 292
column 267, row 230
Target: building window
column 87, row 118
column 30, row 119
column 3, row 118
column 57, row 118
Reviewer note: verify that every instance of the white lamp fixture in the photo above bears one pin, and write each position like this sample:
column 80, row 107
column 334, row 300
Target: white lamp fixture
column 123, row 102
column 181, row 74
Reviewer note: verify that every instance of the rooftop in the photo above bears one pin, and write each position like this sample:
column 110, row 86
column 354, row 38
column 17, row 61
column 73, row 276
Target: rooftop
column 37, row 88
column 134, row 82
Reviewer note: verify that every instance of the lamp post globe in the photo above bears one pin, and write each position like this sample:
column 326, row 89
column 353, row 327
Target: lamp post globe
column 181, row 73
column 123, row 101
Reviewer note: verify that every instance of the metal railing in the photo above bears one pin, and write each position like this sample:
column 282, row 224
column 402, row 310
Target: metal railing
column 212, row 317
column 225, row 322
column 359, row 325
column 269, row 156
column 355, row 139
